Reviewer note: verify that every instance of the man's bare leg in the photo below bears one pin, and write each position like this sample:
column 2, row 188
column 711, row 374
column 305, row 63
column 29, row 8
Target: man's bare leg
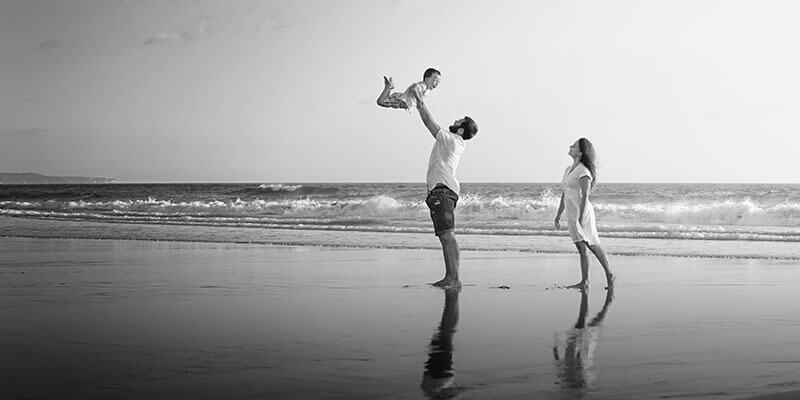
column 451, row 261
column 584, row 283
column 603, row 258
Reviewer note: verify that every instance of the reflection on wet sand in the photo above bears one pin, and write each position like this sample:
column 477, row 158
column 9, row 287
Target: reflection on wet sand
column 439, row 376
column 574, row 364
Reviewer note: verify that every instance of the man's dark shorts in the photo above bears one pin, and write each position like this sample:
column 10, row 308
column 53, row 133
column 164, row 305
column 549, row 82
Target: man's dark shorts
column 442, row 203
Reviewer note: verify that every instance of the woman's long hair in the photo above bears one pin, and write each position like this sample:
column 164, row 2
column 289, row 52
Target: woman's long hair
column 588, row 157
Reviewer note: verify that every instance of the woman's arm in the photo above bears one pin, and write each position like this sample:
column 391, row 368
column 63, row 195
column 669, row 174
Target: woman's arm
column 560, row 210
column 585, row 182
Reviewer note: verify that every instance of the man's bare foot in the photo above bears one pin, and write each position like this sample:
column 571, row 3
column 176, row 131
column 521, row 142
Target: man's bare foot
column 388, row 82
column 610, row 282
column 579, row 285
column 447, row 283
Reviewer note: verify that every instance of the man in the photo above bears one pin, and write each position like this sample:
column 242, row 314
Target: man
column 443, row 188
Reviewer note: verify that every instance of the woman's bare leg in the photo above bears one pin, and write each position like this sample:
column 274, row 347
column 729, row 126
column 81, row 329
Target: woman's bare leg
column 584, row 283
column 603, row 258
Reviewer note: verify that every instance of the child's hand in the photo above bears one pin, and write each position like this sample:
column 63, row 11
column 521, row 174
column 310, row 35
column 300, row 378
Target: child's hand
column 388, row 82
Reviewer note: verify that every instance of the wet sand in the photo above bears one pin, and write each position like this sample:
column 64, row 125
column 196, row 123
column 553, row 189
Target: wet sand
column 132, row 319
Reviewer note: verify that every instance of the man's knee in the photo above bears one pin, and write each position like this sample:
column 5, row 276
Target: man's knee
column 447, row 237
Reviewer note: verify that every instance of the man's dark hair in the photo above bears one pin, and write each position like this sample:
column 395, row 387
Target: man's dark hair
column 470, row 128
column 429, row 72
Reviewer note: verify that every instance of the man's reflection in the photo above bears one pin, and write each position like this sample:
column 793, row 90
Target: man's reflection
column 438, row 377
column 575, row 365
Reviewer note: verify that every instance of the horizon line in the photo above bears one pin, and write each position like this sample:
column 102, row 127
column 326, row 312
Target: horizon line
column 168, row 182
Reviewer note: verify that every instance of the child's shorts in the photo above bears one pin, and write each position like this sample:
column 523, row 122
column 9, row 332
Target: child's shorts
column 442, row 203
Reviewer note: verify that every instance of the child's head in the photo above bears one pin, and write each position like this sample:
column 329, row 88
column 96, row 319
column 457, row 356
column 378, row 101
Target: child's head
column 431, row 77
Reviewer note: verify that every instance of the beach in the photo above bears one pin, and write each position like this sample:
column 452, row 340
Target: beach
column 161, row 319
column 279, row 200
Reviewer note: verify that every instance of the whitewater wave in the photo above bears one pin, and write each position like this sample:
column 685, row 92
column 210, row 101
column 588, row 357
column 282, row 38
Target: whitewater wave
column 279, row 187
column 284, row 190
column 471, row 207
column 305, row 207
column 753, row 219
column 728, row 212
column 421, row 225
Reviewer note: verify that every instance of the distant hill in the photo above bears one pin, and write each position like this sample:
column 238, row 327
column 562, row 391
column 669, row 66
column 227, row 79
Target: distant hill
column 33, row 178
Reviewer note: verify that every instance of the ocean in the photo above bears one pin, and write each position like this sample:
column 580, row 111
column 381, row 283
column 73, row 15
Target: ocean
column 737, row 220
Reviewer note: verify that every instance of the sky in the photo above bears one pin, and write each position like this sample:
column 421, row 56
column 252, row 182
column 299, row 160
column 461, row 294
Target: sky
column 284, row 91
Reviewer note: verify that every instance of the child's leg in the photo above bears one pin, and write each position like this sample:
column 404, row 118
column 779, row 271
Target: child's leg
column 388, row 99
column 392, row 101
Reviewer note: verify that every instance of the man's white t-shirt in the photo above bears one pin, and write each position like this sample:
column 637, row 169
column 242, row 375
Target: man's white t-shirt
column 444, row 160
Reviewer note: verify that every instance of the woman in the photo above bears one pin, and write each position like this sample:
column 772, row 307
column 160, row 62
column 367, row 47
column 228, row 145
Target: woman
column 578, row 180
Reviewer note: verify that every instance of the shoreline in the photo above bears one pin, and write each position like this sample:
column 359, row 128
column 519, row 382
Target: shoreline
column 432, row 247
column 645, row 247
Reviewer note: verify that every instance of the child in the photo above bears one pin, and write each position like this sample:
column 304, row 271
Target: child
column 408, row 100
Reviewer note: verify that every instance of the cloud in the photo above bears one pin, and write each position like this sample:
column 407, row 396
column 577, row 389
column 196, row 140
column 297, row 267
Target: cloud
column 46, row 44
column 202, row 27
column 27, row 132
column 272, row 23
column 159, row 38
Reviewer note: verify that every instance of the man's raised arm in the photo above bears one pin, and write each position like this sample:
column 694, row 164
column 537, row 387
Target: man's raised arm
column 427, row 119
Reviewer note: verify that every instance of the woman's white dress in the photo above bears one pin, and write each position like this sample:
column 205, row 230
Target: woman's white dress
column 572, row 205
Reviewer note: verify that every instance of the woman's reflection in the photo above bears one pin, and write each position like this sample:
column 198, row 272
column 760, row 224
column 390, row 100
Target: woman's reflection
column 575, row 363
column 438, row 377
